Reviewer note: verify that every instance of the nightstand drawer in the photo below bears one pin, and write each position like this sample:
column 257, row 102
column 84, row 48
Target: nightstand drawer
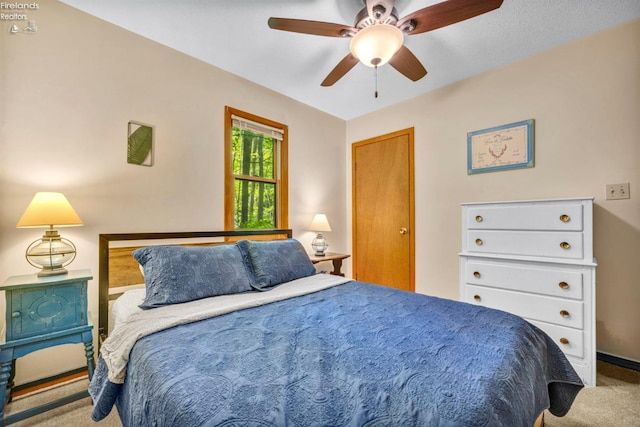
column 47, row 309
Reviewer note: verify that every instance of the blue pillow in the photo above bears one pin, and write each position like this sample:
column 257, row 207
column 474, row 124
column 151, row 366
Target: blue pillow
column 274, row 262
column 175, row 274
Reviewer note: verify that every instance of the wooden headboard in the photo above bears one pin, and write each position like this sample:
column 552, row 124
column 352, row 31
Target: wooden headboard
column 119, row 270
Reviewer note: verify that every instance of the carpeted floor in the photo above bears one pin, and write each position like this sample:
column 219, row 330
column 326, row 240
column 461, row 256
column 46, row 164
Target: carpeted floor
column 76, row 414
column 614, row 402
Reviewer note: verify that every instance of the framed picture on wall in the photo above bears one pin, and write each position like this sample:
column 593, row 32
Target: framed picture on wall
column 140, row 144
column 500, row 148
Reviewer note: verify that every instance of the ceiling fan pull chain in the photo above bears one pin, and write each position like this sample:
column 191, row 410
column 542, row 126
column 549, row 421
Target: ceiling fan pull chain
column 375, row 71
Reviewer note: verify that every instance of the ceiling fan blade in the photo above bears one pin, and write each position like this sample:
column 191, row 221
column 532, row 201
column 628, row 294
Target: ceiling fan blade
column 311, row 27
column 343, row 67
column 406, row 63
column 446, row 13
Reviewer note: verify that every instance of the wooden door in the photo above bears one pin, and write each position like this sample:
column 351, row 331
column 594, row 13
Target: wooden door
column 383, row 209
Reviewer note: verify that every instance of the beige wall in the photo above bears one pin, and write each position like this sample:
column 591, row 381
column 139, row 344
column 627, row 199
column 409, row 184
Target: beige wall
column 585, row 99
column 67, row 94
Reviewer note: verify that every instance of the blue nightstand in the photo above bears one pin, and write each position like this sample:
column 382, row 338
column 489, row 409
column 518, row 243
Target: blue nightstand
column 43, row 312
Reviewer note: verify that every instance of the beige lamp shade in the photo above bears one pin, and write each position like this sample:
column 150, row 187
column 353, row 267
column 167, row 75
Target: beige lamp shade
column 320, row 223
column 376, row 44
column 48, row 209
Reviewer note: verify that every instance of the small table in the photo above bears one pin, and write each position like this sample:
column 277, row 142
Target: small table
column 43, row 312
column 336, row 258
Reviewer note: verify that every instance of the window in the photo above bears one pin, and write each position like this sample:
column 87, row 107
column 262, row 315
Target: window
column 255, row 172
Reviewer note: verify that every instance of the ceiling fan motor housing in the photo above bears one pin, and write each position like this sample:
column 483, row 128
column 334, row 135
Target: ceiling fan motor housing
column 363, row 19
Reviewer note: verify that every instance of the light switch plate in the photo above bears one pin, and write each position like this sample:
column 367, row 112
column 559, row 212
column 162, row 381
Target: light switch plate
column 617, row 191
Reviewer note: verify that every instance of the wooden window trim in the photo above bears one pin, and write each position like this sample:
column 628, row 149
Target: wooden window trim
column 282, row 181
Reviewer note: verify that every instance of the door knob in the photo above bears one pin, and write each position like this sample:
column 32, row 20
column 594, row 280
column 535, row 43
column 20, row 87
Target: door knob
column 403, row 230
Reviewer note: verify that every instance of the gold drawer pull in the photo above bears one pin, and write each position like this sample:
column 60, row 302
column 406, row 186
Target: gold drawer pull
column 476, row 274
column 565, row 245
column 563, row 285
column 477, row 298
column 564, row 341
column 479, row 242
column 478, row 218
column 564, row 313
column 565, row 218
column 15, row 314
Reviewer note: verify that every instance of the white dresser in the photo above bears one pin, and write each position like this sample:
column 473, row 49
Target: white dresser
column 535, row 259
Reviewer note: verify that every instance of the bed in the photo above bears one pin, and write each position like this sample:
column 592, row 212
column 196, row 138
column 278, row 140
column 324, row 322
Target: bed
column 284, row 346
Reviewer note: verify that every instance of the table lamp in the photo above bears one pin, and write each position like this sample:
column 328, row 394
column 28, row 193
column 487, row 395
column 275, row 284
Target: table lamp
column 51, row 253
column 320, row 223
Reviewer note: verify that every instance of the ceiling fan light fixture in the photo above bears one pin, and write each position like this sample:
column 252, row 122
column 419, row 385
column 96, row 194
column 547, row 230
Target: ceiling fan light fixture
column 376, row 44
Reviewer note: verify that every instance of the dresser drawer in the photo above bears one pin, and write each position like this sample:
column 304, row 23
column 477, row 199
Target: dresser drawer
column 567, row 245
column 527, row 216
column 37, row 311
column 570, row 341
column 563, row 283
column 569, row 313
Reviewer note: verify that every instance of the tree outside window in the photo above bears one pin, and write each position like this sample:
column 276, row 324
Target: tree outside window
column 255, row 179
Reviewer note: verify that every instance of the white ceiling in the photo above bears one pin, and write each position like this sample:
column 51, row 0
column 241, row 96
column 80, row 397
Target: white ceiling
column 233, row 35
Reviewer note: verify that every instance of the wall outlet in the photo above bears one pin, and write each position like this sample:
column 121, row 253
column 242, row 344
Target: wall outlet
column 617, row 191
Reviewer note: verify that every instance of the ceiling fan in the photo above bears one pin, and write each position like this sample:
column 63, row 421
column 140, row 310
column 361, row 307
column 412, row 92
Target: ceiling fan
column 378, row 34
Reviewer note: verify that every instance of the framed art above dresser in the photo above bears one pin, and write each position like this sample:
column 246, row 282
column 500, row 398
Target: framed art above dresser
column 535, row 259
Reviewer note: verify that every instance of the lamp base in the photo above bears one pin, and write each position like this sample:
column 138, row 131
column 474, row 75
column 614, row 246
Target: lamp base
column 51, row 254
column 319, row 245
column 45, row 272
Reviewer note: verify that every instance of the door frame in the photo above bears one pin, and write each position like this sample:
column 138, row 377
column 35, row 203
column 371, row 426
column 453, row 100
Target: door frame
column 410, row 133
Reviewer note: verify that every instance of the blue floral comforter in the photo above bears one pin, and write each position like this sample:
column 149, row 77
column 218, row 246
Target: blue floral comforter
column 351, row 355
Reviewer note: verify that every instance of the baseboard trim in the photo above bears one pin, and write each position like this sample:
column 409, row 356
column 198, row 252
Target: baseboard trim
column 618, row 361
column 32, row 386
